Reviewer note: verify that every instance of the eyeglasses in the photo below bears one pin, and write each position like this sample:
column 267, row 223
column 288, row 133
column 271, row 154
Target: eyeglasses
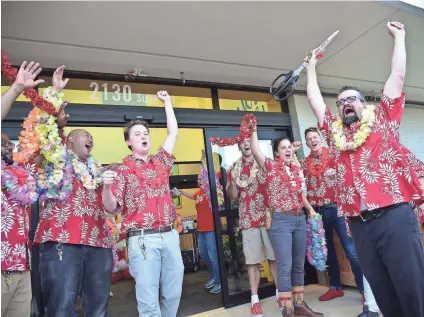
column 349, row 99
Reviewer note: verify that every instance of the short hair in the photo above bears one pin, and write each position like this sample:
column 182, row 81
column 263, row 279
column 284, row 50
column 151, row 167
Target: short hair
column 130, row 125
column 312, row 129
column 344, row 88
column 277, row 142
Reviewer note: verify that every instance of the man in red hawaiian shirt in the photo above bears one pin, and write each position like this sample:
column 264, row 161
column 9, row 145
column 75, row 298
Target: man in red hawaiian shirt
column 246, row 184
column 320, row 176
column 15, row 207
column 141, row 192
column 374, row 185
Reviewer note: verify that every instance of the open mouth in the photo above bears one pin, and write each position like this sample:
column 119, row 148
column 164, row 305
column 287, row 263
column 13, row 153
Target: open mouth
column 89, row 146
column 348, row 111
column 287, row 156
column 247, row 148
column 144, row 143
column 314, row 144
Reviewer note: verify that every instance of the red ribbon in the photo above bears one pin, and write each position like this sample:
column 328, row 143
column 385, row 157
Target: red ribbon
column 11, row 73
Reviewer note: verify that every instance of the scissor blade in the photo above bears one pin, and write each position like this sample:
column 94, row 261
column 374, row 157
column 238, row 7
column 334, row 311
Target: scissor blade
column 323, row 46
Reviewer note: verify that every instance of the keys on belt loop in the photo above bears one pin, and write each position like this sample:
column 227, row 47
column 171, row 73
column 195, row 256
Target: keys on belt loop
column 59, row 249
column 8, row 278
column 141, row 242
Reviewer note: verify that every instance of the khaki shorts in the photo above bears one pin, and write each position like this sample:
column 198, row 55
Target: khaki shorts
column 16, row 298
column 255, row 244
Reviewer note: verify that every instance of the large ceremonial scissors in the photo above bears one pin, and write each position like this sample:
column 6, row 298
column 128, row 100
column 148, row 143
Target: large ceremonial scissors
column 284, row 85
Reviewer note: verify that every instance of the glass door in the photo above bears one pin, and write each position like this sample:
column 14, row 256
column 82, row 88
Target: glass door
column 233, row 270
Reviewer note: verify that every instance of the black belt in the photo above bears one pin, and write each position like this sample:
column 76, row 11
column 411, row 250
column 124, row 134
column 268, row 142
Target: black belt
column 368, row 215
column 141, row 232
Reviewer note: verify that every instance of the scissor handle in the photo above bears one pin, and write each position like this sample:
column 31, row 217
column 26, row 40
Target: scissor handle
column 286, row 88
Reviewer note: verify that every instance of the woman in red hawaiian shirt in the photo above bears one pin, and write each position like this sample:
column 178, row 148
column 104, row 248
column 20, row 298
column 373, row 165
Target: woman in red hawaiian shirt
column 287, row 227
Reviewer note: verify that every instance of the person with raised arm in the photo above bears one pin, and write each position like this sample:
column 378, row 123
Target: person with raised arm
column 375, row 184
column 139, row 189
column 19, row 191
column 286, row 222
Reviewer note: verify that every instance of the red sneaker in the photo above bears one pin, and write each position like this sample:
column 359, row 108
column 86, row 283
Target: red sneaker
column 331, row 294
column 257, row 310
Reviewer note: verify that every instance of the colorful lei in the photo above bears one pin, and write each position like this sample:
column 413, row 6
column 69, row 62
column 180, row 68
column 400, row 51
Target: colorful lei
column 89, row 173
column 20, row 185
column 340, row 140
column 316, row 251
column 55, row 181
column 317, row 169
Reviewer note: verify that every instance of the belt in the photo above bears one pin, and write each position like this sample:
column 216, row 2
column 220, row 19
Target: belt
column 291, row 212
column 368, row 215
column 141, row 232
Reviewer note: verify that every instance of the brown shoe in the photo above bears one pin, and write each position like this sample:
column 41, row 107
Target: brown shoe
column 288, row 312
column 303, row 310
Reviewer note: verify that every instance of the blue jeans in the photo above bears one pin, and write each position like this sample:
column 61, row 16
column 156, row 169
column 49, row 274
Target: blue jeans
column 207, row 250
column 288, row 239
column 159, row 263
column 392, row 258
column 83, row 270
column 331, row 221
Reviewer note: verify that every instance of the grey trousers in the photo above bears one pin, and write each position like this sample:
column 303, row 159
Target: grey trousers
column 288, row 238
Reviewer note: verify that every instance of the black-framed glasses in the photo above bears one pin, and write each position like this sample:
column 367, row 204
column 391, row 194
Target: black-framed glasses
column 349, row 99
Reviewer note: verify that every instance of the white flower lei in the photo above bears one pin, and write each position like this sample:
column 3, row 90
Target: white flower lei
column 89, row 173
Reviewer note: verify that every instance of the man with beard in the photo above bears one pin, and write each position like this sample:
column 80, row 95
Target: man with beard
column 320, row 176
column 19, row 191
column 246, row 184
column 141, row 193
column 374, row 185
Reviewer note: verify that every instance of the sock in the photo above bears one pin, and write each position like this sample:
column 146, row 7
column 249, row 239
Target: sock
column 277, row 294
column 255, row 299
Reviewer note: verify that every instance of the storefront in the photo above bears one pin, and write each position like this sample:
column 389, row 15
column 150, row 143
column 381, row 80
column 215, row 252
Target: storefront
column 203, row 111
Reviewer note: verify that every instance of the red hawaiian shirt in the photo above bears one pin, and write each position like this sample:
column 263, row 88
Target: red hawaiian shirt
column 80, row 219
column 321, row 185
column 15, row 220
column 142, row 192
column 378, row 172
column 252, row 202
column 279, row 196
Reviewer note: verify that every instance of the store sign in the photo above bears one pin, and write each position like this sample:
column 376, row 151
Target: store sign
column 116, row 94
column 243, row 105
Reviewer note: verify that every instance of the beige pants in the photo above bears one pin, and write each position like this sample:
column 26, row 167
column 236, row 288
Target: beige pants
column 16, row 298
column 256, row 244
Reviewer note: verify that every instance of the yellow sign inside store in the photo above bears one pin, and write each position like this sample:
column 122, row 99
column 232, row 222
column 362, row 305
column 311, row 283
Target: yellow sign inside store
column 110, row 146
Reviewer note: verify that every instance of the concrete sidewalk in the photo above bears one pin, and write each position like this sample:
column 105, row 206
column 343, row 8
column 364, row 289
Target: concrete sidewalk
column 348, row 306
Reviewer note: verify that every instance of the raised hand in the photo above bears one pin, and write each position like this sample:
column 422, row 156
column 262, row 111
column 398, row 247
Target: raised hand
column 61, row 116
column 25, row 79
column 296, row 146
column 312, row 59
column 58, row 82
column 164, row 96
column 396, row 28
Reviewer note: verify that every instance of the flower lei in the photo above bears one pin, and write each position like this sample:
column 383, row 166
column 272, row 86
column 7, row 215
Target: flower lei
column 245, row 182
column 39, row 128
column 246, row 130
column 318, row 168
column 316, row 251
column 89, row 173
column 340, row 140
column 21, row 186
column 55, row 181
column 290, row 174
